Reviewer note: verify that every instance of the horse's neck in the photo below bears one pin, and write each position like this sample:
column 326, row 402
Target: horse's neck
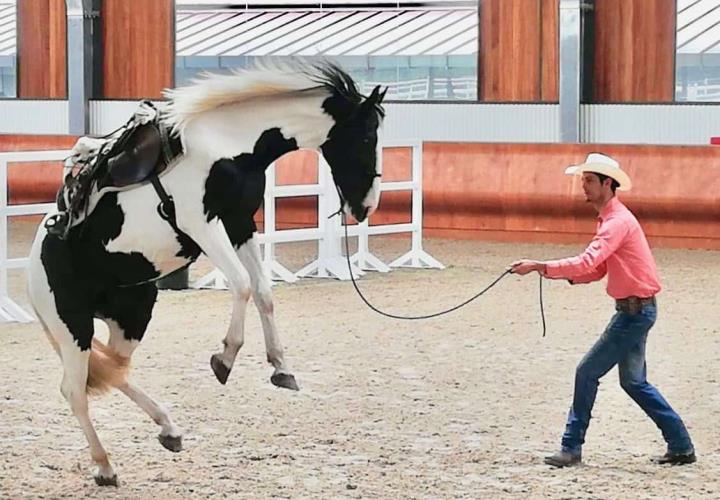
column 235, row 129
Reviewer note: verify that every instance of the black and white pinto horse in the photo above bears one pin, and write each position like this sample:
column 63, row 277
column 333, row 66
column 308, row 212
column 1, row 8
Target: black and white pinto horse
column 231, row 127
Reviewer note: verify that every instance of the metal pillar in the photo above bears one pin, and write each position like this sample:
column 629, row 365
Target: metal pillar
column 81, row 36
column 570, row 70
column 575, row 64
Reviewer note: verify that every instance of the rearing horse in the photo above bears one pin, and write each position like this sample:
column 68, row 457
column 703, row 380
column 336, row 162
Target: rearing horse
column 231, row 128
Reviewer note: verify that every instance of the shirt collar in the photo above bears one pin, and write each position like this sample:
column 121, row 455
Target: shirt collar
column 611, row 206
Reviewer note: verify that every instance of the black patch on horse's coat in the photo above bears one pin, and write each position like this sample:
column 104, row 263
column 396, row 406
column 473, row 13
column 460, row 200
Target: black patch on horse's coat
column 235, row 187
column 72, row 295
column 88, row 242
column 131, row 307
column 188, row 248
column 85, row 278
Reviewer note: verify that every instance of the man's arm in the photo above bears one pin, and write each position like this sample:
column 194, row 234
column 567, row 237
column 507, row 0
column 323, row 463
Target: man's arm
column 595, row 275
column 609, row 237
column 586, row 267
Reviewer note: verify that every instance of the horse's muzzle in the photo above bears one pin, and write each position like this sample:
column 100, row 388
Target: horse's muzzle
column 360, row 215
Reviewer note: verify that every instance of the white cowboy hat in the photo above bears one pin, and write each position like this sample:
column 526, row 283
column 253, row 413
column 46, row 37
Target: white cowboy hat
column 600, row 164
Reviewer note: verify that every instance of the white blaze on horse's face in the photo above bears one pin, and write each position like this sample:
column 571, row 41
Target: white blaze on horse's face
column 352, row 153
column 373, row 197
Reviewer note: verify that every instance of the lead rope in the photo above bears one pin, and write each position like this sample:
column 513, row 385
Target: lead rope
column 439, row 313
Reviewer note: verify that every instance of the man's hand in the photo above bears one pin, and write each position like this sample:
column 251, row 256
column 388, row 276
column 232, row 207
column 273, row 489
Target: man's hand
column 522, row 267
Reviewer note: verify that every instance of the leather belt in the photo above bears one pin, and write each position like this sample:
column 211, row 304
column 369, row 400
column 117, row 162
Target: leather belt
column 633, row 305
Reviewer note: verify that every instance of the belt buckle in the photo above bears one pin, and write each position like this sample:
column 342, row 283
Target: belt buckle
column 634, row 305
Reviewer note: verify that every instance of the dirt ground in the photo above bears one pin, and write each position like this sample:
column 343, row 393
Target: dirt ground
column 463, row 406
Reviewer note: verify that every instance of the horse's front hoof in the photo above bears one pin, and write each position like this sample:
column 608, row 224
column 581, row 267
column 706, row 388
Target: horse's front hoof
column 285, row 380
column 106, row 481
column 221, row 371
column 172, row 443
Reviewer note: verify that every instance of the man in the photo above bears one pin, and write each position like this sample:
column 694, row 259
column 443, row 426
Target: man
column 620, row 251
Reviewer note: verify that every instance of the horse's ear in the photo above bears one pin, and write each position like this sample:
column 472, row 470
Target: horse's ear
column 382, row 95
column 374, row 97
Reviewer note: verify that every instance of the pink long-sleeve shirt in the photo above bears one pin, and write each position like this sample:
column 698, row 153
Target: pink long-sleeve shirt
column 620, row 250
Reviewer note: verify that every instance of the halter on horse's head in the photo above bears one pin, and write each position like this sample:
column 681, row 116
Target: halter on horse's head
column 351, row 147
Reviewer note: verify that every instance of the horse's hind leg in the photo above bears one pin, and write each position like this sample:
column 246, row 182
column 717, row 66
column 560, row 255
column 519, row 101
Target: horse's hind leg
column 69, row 325
column 127, row 312
column 170, row 435
column 73, row 387
column 249, row 254
column 75, row 382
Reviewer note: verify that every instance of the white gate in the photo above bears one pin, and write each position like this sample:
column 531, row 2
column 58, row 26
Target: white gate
column 9, row 309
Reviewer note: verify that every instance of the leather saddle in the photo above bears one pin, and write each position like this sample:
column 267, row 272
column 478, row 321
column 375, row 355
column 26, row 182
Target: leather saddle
column 140, row 153
column 133, row 159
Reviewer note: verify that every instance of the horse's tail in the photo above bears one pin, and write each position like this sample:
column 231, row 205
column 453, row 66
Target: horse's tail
column 107, row 369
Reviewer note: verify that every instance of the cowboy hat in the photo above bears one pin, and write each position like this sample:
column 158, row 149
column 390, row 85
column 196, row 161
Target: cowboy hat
column 597, row 163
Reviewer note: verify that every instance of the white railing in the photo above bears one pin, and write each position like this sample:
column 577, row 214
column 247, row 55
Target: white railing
column 9, row 309
column 463, row 88
column 705, row 90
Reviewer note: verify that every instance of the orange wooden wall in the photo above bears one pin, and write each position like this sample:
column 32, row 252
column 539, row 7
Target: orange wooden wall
column 508, row 192
column 518, row 192
column 549, row 51
column 634, row 51
column 138, row 57
column 34, row 182
column 42, row 49
column 518, row 53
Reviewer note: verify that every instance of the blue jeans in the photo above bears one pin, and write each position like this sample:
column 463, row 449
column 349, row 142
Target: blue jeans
column 623, row 343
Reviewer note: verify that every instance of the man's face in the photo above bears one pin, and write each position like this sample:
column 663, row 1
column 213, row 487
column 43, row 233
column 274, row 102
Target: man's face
column 595, row 191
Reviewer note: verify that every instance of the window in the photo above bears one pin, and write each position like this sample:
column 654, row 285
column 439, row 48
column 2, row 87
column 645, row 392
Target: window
column 697, row 66
column 8, row 48
column 421, row 51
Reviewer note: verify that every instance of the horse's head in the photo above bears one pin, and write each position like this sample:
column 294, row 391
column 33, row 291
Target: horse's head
column 351, row 150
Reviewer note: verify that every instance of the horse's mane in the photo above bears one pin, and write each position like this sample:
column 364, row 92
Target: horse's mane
column 210, row 91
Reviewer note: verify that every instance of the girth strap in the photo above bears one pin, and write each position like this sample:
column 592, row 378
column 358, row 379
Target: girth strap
column 166, row 207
